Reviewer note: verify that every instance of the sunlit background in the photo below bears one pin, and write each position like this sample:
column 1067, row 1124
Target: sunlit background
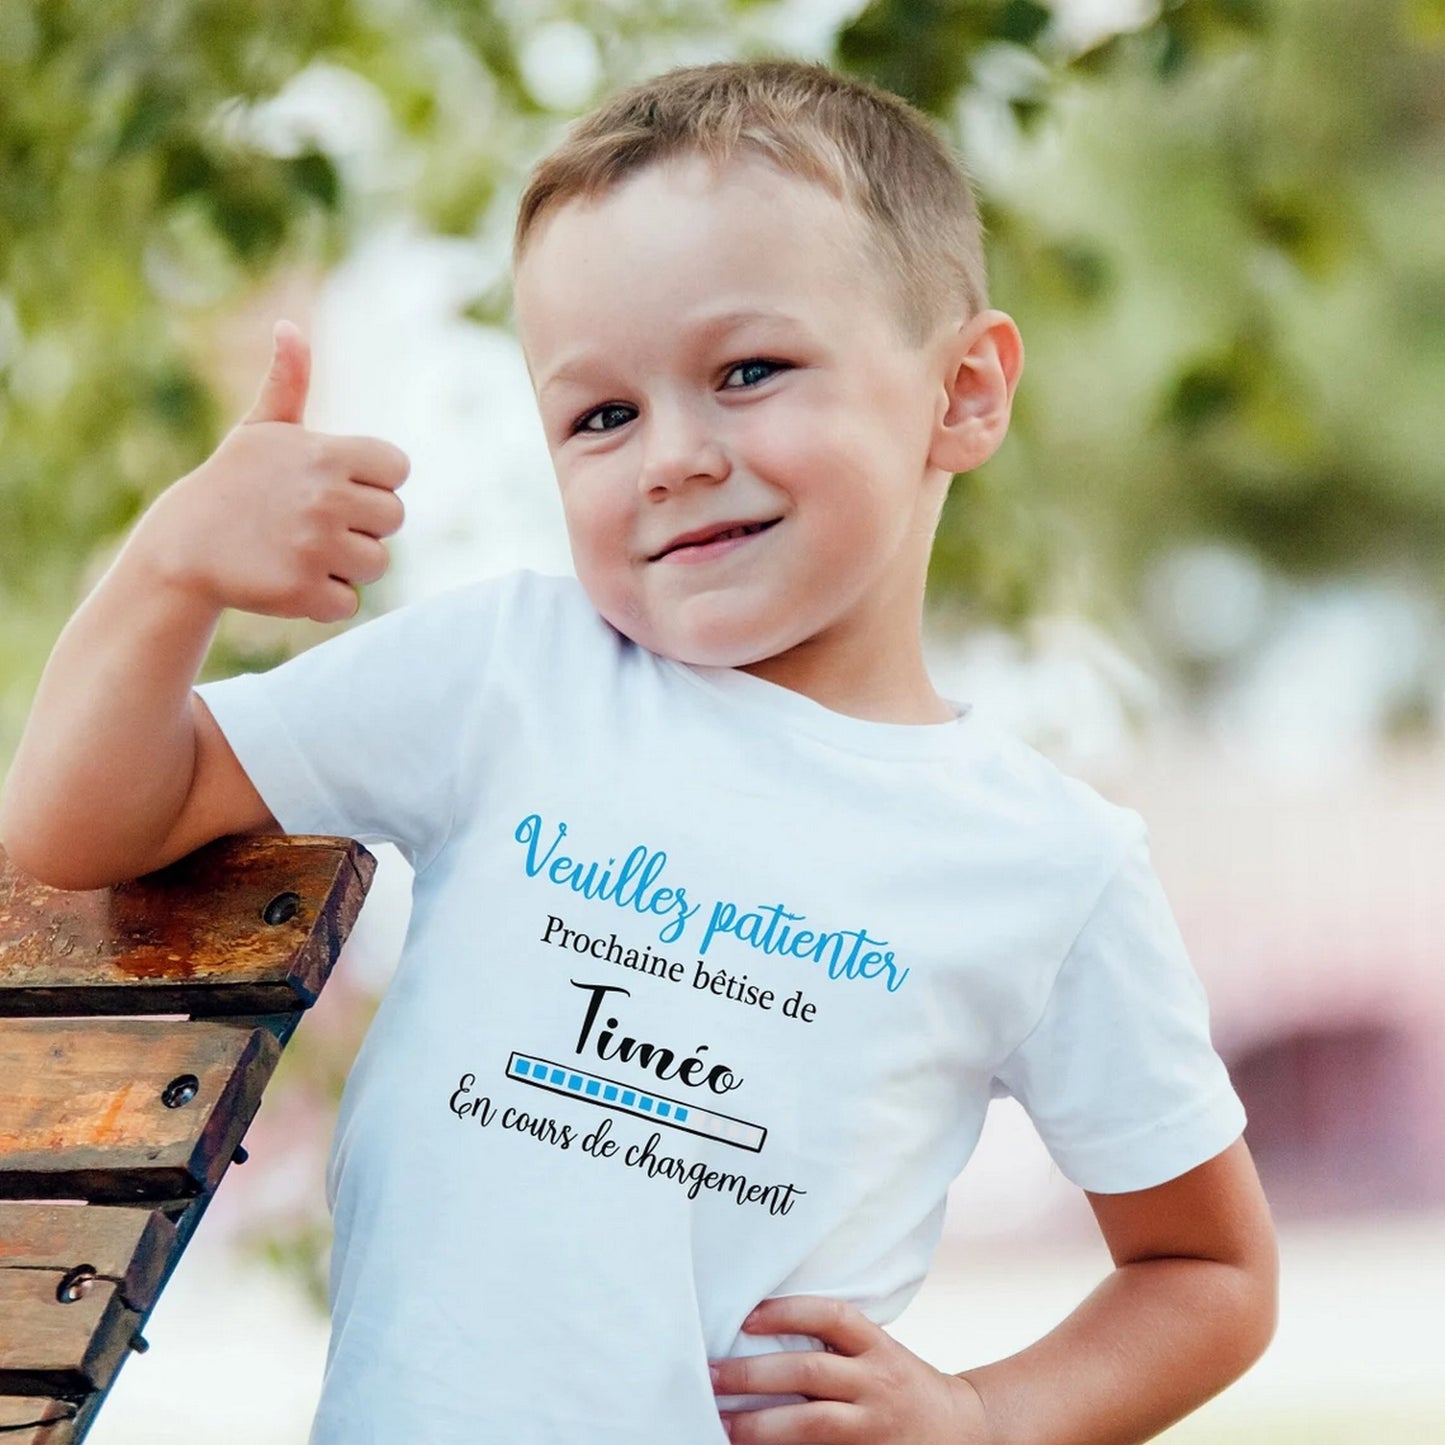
column 1204, row 572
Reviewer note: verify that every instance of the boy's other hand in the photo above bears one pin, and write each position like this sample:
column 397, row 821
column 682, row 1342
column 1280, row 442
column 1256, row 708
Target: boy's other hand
column 866, row 1387
column 279, row 520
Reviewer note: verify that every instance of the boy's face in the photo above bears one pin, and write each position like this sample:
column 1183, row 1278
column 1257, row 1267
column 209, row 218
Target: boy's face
column 666, row 416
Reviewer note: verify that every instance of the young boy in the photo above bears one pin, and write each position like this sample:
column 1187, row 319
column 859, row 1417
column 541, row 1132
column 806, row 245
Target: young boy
column 727, row 926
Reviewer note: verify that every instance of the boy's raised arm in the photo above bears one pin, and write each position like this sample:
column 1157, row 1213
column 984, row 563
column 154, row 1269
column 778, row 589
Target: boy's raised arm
column 120, row 768
column 108, row 757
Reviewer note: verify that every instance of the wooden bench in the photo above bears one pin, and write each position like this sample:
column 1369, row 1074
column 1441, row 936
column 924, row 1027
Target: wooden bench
column 139, row 1028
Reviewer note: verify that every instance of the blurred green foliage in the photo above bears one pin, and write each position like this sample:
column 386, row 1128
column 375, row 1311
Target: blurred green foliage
column 1222, row 235
column 1213, row 233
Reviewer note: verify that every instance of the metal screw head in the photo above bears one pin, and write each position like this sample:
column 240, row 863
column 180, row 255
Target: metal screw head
column 75, row 1284
column 283, row 907
column 180, row 1090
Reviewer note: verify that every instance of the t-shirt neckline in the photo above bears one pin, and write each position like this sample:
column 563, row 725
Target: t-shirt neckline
column 771, row 704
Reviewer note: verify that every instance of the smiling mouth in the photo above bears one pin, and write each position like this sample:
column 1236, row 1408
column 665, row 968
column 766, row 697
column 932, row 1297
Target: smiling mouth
column 747, row 530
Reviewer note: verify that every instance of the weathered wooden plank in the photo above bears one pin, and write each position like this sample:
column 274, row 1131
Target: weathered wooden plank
column 250, row 924
column 130, row 1243
column 47, row 1421
column 118, row 1110
column 75, row 1284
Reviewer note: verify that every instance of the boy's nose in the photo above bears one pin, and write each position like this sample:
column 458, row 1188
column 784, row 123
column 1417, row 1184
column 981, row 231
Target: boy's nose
column 679, row 448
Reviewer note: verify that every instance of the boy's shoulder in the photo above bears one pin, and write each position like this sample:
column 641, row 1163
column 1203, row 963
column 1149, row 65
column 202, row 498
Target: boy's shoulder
column 513, row 620
column 549, row 615
column 521, row 586
column 1041, row 788
column 514, row 601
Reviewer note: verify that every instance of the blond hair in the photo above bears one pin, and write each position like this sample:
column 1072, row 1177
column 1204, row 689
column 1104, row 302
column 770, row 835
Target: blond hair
column 869, row 148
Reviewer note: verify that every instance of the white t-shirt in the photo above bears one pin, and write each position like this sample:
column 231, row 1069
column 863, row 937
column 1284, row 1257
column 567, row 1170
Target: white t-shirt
column 704, row 997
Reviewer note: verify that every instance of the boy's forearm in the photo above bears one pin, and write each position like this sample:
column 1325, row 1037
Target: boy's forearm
column 1153, row 1342
column 105, row 761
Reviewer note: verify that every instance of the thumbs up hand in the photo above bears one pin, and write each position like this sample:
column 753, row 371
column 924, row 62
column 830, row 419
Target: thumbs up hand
column 283, row 392
column 279, row 520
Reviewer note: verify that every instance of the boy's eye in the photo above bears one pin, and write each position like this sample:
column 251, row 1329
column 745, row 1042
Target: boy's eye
column 748, row 365
column 583, row 422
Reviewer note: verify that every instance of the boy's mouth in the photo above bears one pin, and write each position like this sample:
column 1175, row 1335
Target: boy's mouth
column 701, row 536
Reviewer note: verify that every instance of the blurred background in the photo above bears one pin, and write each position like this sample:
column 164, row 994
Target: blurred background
column 1205, row 572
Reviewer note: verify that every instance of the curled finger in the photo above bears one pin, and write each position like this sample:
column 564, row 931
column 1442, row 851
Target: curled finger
column 818, row 1422
column 814, row 1374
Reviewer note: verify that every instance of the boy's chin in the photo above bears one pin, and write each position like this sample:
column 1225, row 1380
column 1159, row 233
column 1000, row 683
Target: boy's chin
column 696, row 654
column 721, row 649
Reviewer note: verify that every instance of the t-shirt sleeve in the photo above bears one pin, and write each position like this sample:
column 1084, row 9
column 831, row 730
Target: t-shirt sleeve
column 1119, row 1074
column 363, row 734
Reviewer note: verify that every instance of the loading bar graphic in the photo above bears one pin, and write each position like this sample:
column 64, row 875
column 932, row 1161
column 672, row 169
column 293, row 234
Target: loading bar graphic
column 628, row 1099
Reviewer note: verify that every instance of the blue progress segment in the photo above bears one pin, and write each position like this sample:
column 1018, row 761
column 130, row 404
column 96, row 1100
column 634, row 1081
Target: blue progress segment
column 611, row 1094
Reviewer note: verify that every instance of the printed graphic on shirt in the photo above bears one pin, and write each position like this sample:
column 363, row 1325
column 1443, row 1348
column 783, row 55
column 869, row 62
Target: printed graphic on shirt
column 846, row 954
column 683, row 1096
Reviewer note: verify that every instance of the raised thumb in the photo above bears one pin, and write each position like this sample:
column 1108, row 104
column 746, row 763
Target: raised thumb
column 283, row 392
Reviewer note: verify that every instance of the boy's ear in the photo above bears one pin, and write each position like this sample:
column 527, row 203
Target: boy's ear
column 981, row 363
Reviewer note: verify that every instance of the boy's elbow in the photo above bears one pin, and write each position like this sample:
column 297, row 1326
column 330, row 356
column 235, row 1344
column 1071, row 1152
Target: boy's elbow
column 16, row 844
column 1254, row 1312
column 1268, row 1308
column 29, row 852
column 19, row 857
column 56, row 870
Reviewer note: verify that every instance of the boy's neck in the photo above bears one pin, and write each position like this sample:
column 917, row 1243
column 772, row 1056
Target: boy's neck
column 899, row 691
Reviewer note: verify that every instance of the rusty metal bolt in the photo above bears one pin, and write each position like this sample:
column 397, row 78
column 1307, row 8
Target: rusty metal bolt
column 181, row 1090
column 281, row 908
column 75, row 1284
